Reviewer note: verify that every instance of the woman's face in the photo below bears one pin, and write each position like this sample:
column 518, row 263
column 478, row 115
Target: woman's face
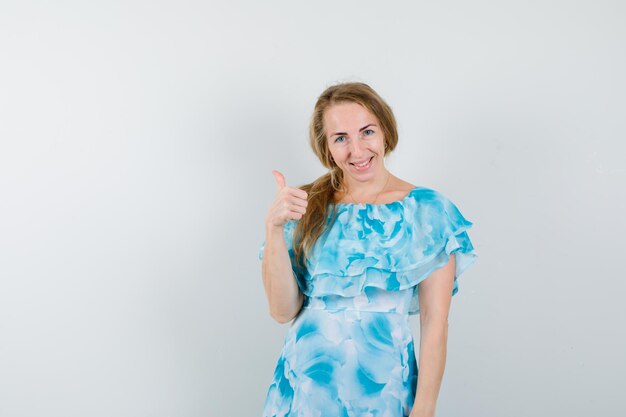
column 354, row 136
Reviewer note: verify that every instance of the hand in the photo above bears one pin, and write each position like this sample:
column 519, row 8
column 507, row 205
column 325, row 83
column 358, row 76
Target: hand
column 290, row 203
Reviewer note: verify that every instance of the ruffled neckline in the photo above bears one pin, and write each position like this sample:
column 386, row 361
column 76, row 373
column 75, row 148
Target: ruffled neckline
column 371, row 205
column 391, row 246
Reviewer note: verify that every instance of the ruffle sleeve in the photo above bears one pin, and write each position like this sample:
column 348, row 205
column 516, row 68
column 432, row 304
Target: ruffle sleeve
column 393, row 247
column 289, row 230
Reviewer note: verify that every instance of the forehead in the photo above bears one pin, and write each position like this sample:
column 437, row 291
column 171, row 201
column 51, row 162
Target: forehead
column 345, row 116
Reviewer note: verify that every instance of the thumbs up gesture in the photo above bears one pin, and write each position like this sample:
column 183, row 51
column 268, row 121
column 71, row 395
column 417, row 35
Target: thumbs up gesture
column 290, row 203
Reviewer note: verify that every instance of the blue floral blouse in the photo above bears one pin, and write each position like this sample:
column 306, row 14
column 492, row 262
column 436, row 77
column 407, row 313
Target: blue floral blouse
column 350, row 351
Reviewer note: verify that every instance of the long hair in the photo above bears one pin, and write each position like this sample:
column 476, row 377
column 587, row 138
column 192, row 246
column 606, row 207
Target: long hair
column 321, row 192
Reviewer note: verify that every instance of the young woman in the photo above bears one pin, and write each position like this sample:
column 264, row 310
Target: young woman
column 350, row 256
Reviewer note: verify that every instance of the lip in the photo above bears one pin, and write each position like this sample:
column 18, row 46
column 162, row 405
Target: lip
column 366, row 168
column 354, row 163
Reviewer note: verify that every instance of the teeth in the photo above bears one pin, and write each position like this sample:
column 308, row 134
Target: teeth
column 363, row 164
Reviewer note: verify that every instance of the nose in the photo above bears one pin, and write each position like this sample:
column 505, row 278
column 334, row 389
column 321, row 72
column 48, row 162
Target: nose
column 356, row 148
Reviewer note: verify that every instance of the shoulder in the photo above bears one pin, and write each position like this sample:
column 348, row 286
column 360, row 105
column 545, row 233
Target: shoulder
column 426, row 202
column 401, row 185
column 434, row 206
column 416, row 197
column 426, row 195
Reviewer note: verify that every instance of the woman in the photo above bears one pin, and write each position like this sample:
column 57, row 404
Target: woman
column 350, row 257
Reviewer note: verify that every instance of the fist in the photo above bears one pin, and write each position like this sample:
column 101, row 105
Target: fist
column 290, row 203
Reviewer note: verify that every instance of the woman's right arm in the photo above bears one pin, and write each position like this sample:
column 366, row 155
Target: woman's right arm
column 281, row 288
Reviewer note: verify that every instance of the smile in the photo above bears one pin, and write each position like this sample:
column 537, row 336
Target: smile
column 364, row 165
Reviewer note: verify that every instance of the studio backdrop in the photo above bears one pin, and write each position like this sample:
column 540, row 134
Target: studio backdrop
column 137, row 140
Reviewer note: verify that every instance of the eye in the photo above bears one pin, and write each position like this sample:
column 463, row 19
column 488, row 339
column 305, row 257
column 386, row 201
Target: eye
column 338, row 137
column 369, row 132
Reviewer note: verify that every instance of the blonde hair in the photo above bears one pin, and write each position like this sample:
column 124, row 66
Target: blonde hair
column 321, row 192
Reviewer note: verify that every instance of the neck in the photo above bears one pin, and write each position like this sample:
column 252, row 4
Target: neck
column 366, row 189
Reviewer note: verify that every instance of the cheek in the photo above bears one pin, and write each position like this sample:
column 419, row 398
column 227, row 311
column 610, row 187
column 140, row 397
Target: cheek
column 381, row 143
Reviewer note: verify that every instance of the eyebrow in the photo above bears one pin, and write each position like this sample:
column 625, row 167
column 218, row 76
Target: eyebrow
column 360, row 130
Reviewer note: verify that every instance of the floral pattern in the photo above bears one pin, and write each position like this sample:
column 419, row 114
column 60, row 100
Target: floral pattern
column 350, row 351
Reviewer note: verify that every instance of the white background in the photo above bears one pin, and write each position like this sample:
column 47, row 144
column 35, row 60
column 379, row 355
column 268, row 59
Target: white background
column 137, row 140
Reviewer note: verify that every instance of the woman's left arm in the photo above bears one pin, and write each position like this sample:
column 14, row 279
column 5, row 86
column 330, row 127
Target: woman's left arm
column 435, row 296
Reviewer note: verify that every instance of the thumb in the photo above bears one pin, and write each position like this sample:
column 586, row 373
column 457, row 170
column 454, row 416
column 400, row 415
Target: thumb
column 280, row 179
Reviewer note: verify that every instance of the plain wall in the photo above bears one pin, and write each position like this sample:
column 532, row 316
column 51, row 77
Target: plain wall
column 137, row 140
